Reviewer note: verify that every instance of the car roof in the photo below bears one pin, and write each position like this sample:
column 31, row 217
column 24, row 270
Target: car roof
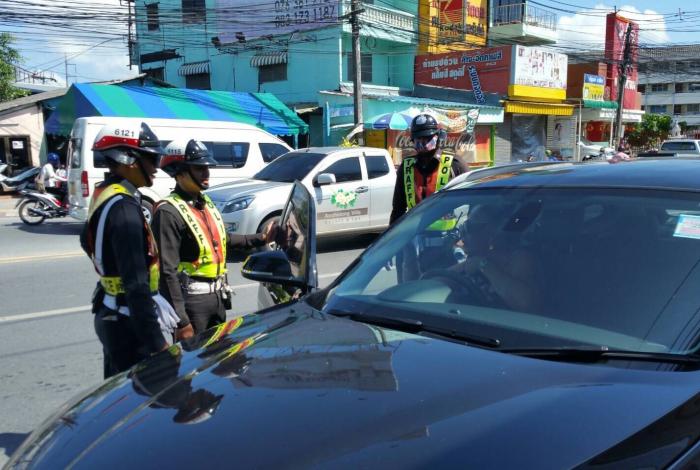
column 327, row 150
column 677, row 174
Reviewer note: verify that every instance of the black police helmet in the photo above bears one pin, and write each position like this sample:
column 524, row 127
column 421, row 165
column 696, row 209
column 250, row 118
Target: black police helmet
column 424, row 125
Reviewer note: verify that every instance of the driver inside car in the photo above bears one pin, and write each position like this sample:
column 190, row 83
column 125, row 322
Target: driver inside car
column 497, row 271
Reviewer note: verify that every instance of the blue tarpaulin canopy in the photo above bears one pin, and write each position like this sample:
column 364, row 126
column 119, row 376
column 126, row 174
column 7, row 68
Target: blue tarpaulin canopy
column 263, row 110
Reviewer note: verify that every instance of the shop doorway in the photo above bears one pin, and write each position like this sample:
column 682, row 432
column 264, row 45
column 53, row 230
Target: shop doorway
column 15, row 152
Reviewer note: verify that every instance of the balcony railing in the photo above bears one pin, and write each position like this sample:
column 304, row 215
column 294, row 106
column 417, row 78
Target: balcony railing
column 525, row 14
column 386, row 18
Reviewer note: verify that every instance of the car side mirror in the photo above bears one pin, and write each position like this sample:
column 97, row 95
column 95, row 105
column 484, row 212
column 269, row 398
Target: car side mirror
column 271, row 267
column 324, row 179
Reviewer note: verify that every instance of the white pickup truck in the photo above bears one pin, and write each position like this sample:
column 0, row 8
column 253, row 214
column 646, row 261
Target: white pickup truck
column 676, row 148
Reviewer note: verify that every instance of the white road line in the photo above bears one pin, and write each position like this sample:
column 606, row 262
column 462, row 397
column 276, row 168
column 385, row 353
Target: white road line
column 87, row 308
column 43, row 257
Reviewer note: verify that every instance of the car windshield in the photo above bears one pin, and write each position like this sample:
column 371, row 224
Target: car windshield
column 290, row 167
column 540, row 268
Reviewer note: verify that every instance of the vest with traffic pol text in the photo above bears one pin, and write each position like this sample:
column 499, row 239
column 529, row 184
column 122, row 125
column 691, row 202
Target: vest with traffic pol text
column 209, row 232
column 110, row 280
column 434, row 182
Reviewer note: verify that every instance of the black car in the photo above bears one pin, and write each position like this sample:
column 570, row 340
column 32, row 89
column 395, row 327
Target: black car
column 543, row 316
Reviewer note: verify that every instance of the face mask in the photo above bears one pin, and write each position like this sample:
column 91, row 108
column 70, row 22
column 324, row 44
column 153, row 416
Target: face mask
column 426, row 146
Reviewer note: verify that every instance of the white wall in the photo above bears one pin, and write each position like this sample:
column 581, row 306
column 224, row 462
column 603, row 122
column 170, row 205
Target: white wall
column 28, row 121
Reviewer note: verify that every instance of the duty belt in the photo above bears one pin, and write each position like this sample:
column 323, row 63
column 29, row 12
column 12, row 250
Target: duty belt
column 202, row 287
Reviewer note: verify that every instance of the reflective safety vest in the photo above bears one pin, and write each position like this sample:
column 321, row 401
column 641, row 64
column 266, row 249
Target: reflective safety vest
column 111, row 281
column 209, row 231
column 434, row 182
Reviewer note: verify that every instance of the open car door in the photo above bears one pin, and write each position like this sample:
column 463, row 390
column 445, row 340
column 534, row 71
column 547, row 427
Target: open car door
column 290, row 270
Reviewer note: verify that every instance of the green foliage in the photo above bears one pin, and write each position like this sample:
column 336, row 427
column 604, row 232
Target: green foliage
column 653, row 129
column 8, row 57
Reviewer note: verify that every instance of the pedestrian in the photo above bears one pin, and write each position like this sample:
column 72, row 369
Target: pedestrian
column 192, row 241
column 428, row 171
column 130, row 317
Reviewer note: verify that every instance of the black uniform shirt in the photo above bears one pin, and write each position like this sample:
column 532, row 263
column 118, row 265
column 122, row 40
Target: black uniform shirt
column 176, row 243
column 124, row 250
column 425, row 165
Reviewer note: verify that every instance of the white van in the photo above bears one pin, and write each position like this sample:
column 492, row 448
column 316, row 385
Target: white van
column 241, row 150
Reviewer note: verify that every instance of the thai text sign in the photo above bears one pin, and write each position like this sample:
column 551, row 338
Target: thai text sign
column 453, row 69
column 539, row 67
column 593, row 87
column 238, row 20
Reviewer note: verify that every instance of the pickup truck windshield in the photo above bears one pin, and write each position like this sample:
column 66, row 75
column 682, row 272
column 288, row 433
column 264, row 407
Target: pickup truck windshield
column 541, row 268
column 289, row 167
column 680, row 147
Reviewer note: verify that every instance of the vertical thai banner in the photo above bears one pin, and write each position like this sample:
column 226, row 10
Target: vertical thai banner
column 615, row 34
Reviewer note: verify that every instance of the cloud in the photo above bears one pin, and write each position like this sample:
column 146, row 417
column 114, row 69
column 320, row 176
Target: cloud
column 586, row 30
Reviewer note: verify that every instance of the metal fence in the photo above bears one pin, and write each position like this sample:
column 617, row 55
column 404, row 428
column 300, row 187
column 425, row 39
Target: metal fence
column 526, row 14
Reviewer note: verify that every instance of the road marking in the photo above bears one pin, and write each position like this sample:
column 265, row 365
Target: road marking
column 44, row 257
column 87, row 308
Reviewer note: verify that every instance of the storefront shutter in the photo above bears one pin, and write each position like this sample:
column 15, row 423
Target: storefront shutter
column 502, row 145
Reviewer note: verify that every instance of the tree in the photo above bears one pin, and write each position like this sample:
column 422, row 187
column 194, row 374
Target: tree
column 651, row 131
column 9, row 57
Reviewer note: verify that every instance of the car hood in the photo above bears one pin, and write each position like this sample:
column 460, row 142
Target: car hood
column 242, row 187
column 297, row 388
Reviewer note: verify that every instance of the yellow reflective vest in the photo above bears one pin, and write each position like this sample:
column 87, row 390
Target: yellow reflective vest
column 112, row 282
column 433, row 182
column 209, row 231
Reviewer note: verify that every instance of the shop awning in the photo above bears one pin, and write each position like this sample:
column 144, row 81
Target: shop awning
column 263, row 110
column 194, row 68
column 268, row 58
column 526, row 107
column 599, row 104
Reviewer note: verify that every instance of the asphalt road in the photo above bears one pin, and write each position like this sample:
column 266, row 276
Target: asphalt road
column 48, row 348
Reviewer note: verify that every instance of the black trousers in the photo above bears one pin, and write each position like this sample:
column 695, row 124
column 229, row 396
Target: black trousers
column 205, row 310
column 121, row 347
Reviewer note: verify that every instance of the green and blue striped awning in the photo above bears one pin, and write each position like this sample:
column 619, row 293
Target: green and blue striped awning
column 263, row 110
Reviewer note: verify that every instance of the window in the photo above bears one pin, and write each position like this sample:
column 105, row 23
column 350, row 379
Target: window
column 157, row 73
column 194, row 11
column 658, row 87
column 366, row 67
column 376, row 166
column 677, row 109
column 198, row 81
column 641, row 88
column 693, row 86
column 692, row 108
column 679, row 88
column 152, row 17
column 74, row 153
column 347, row 169
column 679, row 146
column 657, row 108
column 271, row 151
column 229, row 154
column 272, row 73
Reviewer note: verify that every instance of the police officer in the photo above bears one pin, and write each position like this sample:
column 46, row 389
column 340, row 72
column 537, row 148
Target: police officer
column 122, row 248
column 428, row 171
column 192, row 241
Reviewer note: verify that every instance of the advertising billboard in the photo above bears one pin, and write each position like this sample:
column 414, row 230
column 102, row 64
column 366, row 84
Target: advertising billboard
column 593, row 87
column 488, row 68
column 615, row 37
column 539, row 67
column 242, row 20
column 448, row 24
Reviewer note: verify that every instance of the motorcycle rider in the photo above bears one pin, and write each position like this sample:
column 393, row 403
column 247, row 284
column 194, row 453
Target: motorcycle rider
column 192, row 241
column 428, row 171
column 129, row 315
column 49, row 181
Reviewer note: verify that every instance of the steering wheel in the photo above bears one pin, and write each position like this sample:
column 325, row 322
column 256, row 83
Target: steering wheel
column 463, row 286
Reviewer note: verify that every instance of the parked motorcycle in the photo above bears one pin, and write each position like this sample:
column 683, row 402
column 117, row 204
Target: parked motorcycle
column 20, row 181
column 35, row 207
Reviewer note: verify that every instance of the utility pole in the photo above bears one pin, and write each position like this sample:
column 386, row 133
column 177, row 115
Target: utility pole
column 626, row 59
column 356, row 60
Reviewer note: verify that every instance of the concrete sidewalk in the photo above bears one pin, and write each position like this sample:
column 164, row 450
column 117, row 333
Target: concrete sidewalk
column 7, row 205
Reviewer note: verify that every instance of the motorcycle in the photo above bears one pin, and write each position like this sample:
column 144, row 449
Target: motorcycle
column 35, row 207
column 19, row 181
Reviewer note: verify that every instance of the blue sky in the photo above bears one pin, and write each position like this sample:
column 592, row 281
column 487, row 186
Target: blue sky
column 659, row 25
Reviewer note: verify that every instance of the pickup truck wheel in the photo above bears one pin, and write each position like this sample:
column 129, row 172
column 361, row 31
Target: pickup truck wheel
column 263, row 226
column 147, row 209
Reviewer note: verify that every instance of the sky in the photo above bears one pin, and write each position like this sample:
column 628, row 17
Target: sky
column 96, row 49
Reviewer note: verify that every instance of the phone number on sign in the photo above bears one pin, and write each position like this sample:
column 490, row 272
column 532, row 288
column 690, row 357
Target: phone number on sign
column 294, row 12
